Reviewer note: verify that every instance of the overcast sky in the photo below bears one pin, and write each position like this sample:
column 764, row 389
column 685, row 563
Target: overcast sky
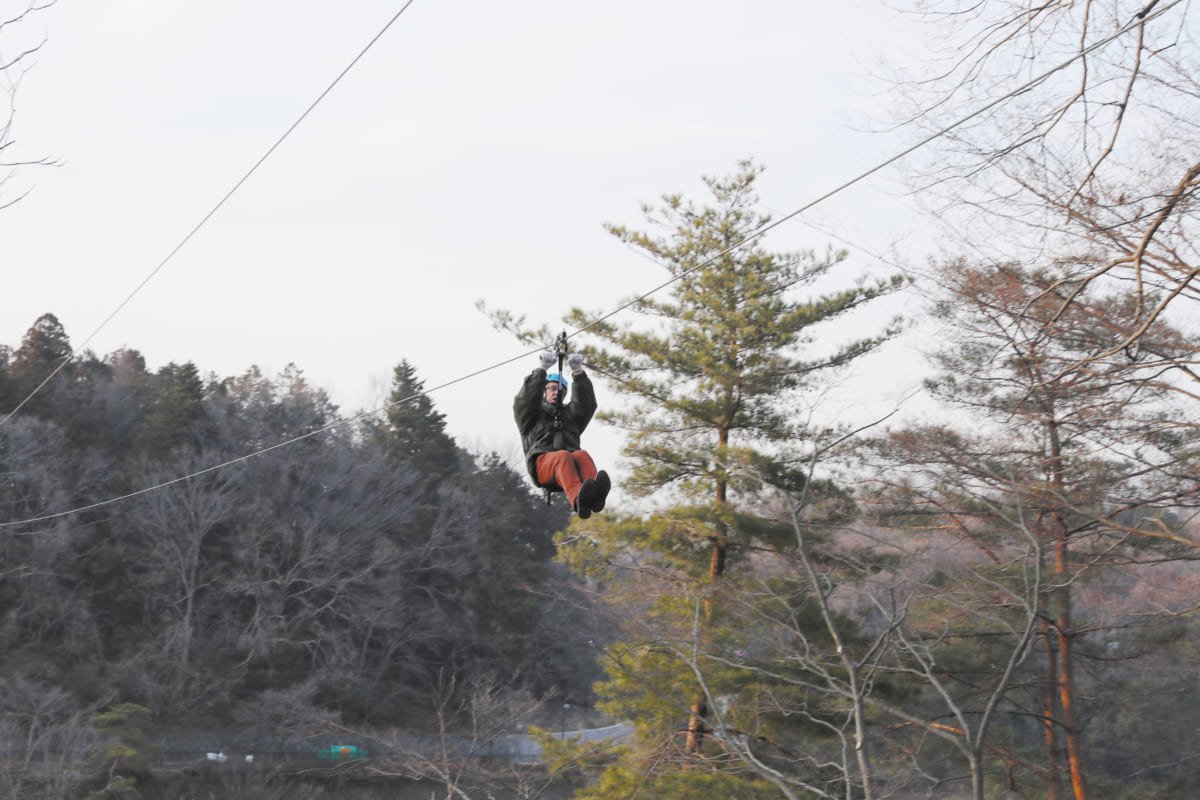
column 475, row 152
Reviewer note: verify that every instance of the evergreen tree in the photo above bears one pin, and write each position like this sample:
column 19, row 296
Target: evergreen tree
column 178, row 407
column 44, row 347
column 506, row 596
column 715, row 379
column 6, row 399
column 123, row 403
column 416, row 431
column 415, row 438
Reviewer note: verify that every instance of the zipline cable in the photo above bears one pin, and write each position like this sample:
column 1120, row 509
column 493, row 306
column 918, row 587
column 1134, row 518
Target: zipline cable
column 212, row 212
column 759, row 233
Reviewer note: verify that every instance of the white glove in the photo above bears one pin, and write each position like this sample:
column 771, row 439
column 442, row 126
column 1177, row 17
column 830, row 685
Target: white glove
column 576, row 361
column 547, row 358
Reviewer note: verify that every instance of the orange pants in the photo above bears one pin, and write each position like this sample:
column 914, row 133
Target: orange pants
column 568, row 468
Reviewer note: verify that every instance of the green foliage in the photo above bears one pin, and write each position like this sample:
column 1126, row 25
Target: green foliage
column 178, row 407
column 124, row 749
column 712, row 378
column 757, row 640
column 569, row 759
column 687, row 782
column 655, row 765
column 120, row 787
column 416, row 431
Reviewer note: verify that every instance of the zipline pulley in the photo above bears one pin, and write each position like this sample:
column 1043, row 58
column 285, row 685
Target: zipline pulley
column 560, row 350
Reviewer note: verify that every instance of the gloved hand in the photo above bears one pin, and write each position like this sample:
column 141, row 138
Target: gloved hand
column 575, row 360
column 547, row 358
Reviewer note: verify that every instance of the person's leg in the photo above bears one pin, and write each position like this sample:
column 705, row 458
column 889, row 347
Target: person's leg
column 558, row 467
column 595, row 492
column 603, row 484
column 587, row 467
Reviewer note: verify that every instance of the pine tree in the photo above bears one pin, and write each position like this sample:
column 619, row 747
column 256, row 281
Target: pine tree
column 44, row 345
column 178, row 407
column 43, row 349
column 711, row 379
column 714, row 374
column 417, row 432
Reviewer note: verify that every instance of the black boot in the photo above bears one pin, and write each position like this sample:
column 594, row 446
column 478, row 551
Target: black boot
column 585, row 498
column 603, row 484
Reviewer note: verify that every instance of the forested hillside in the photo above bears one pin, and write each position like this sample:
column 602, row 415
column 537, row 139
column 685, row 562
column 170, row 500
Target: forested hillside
column 355, row 573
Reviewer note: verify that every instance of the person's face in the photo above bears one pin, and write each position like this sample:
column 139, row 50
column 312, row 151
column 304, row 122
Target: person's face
column 551, row 392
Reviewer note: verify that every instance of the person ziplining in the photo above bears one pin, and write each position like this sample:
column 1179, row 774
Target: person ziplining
column 551, row 429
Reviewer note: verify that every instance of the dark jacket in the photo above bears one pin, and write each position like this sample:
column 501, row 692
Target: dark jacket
column 545, row 427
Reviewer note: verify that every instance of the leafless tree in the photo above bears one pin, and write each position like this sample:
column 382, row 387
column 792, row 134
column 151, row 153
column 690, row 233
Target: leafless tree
column 46, row 737
column 1078, row 453
column 17, row 51
column 471, row 743
column 41, row 473
column 321, row 569
column 172, row 558
column 1087, row 147
column 836, row 635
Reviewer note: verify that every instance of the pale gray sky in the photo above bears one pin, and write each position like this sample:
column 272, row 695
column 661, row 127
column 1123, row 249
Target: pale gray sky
column 473, row 153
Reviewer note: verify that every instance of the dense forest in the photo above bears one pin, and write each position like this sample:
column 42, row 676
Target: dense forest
column 992, row 596
column 358, row 572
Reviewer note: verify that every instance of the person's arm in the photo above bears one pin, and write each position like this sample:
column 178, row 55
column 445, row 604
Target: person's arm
column 583, row 400
column 528, row 402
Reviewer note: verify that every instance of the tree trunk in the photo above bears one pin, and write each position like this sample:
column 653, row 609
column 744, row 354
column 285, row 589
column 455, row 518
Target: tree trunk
column 1049, row 713
column 716, row 568
column 716, row 563
column 1066, row 682
column 1065, row 634
column 695, row 727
